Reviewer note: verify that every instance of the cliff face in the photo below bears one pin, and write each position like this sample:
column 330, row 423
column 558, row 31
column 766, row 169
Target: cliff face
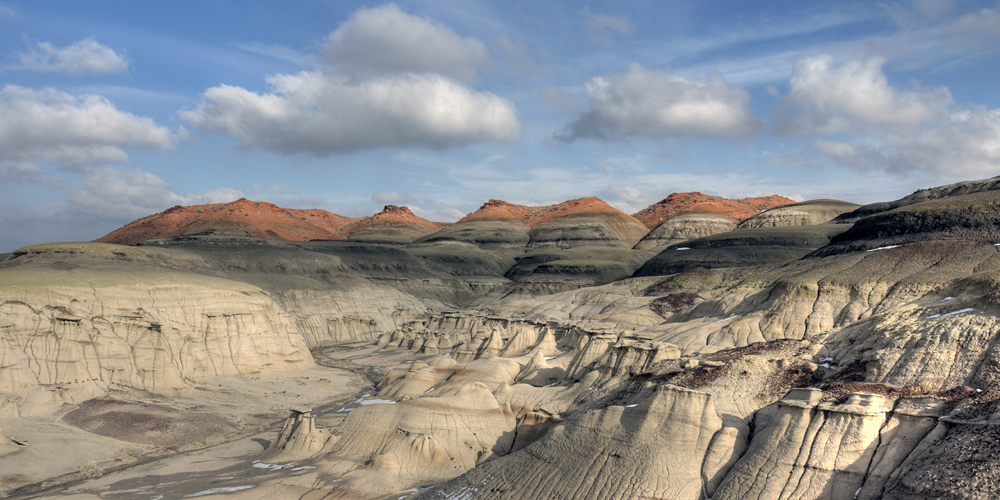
column 70, row 334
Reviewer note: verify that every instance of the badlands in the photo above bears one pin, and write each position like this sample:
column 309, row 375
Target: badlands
column 703, row 348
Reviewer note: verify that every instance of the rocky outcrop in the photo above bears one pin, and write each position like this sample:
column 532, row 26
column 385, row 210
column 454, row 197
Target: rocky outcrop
column 923, row 195
column 970, row 217
column 750, row 247
column 385, row 448
column 685, row 227
column 299, row 438
column 807, row 213
column 628, row 451
column 469, row 337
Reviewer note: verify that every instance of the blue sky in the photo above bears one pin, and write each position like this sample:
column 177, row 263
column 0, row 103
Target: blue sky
column 112, row 110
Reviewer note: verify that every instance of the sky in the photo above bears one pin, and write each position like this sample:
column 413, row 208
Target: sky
column 113, row 110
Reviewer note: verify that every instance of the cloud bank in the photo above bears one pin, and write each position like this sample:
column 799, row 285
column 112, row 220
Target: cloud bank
column 878, row 127
column 856, row 95
column 654, row 104
column 389, row 80
column 53, row 126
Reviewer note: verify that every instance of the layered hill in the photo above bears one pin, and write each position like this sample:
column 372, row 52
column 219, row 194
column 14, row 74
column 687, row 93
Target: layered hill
column 258, row 219
column 392, row 225
column 242, row 217
column 685, row 203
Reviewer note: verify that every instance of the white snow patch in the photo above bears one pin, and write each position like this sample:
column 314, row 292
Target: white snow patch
column 464, row 493
column 961, row 311
column 262, row 465
column 883, row 248
column 825, row 365
column 376, row 402
column 824, row 360
column 632, row 406
column 946, row 299
column 727, row 319
column 549, row 357
column 682, row 248
column 304, row 467
column 934, row 316
column 214, row 491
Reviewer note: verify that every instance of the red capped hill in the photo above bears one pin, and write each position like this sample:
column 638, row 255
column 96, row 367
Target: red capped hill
column 242, row 217
column 695, row 202
column 555, row 220
column 501, row 210
column 392, row 225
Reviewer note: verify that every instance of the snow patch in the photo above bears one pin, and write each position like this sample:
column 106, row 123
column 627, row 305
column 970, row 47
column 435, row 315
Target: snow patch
column 682, row 248
column 961, row 311
column 376, row 402
column 727, row 319
column 946, row 299
column 883, row 248
column 215, row 491
column 261, row 465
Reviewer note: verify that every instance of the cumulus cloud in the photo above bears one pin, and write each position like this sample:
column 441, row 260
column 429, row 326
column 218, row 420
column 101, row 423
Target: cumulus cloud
column 84, row 56
column 323, row 113
column 824, row 98
column 873, row 126
column 651, row 103
column 407, row 97
column 53, row 126
column 126, row 194
column 965, row 143
column 605, row 28
column 387, row 40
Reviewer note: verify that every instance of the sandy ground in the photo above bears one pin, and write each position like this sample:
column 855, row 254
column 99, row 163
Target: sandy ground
column 134, row 427
column 200, row 442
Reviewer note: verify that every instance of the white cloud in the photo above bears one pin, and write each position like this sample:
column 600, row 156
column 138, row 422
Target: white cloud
column 323, row 112
column 605, row 28
column 880, row 128
column 221, row 195
column 84, row 56
column 981, row 27
column 14, row 171
column 7, row 11
column 964, row 144
column 387, row 40
column 854, row 96
column 651, row 103
column 391, row 84
column 53, row 126
column 393, row 198
column 442, row 214
column 112, row 193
